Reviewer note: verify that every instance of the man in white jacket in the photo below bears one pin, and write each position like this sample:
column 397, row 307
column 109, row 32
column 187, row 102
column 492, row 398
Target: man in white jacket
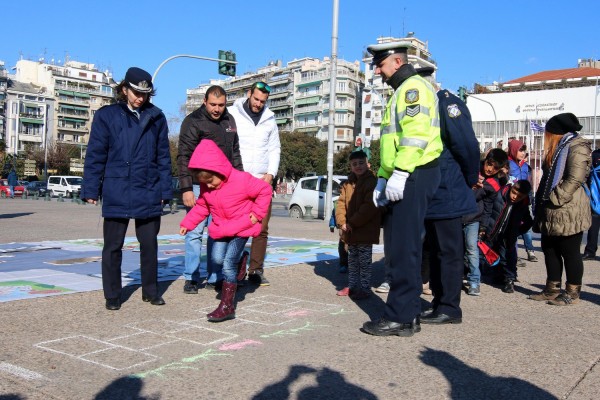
column 260, row 149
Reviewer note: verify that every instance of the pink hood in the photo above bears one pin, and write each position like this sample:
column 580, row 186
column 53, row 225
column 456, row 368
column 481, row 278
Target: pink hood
column 231, row 204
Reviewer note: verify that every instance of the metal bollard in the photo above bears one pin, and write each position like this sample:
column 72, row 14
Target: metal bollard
column 47, row 197
column 24, row 195
column 173, row 205
column 36, row 196
column 60, row 198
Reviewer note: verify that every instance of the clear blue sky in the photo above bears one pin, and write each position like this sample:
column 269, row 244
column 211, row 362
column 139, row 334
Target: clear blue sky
column 471, row 41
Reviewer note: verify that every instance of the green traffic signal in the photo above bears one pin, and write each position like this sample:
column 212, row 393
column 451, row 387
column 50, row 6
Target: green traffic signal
column 224, row 67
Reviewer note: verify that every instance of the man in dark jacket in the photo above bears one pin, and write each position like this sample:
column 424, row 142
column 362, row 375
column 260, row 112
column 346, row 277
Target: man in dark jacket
column 459, row 164
column 210, row 121
column 128, row 163
column 12, row 182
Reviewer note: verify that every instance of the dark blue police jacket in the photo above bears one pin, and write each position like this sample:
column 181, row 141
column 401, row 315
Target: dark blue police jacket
column 128, row 162
column 459, row 161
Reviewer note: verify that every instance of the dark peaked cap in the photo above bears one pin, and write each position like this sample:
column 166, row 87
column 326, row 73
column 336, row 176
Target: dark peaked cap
column 383, row 50
column 425, row 71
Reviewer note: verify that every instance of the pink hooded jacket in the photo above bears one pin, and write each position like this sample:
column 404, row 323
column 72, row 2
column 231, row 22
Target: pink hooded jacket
column 231, row 204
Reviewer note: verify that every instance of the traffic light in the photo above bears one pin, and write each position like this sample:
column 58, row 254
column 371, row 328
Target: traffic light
column 226, row 68
column 462, row 93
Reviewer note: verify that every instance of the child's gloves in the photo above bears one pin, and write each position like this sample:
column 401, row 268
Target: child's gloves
column 394, row 191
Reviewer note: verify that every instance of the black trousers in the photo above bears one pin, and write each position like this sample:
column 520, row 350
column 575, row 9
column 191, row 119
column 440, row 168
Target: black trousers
column 446, row 262
column 592, row 236
column 405, row 223
column 146, row 231
column 564, row 251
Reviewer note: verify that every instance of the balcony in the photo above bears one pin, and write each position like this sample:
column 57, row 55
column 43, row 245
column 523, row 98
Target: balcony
column 309, row 110
column 74, row 128
column 29, row 137
column 74, row 112
column 81, row 91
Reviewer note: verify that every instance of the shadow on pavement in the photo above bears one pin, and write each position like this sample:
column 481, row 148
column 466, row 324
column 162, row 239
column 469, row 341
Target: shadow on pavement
column 16, row 215
column 472, row 383
column 11, row 397
column 124, row 388
column 372, row 306
column 331, row 384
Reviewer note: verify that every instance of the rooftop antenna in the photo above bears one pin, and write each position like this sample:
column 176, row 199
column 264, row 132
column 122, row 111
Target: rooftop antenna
column 403, row 19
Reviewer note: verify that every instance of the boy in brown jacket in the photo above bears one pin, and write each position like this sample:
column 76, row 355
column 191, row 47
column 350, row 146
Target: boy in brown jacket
column 360, row 222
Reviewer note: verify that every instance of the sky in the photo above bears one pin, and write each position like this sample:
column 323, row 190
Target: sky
column 472, row 41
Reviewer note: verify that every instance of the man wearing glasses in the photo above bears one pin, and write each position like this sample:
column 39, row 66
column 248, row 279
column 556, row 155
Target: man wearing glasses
column 260, row 149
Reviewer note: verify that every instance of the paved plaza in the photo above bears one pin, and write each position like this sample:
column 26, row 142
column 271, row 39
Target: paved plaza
column 294, row 339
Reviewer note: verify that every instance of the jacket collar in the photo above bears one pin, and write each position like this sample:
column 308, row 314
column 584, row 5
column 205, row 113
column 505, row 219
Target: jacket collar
column 402, row 74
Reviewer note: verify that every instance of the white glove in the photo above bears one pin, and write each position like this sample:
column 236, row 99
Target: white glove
column 394, row 191
column 379, row 193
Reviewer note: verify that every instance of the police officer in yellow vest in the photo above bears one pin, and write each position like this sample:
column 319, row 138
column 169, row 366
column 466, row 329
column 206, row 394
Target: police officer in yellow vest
column 408, row 177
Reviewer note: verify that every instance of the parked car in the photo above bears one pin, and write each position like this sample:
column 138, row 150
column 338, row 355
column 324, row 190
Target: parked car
column 39, row 187
column 5, row 189
column 310, row 191
column 64, row 185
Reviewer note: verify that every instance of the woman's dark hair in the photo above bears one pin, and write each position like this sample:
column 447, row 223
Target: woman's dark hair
column 120, row 96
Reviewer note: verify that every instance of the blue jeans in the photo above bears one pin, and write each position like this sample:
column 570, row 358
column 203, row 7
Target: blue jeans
column 12, row 192
column 226, row 254
column 527, row 240
column 471, row 232
column 194, row 270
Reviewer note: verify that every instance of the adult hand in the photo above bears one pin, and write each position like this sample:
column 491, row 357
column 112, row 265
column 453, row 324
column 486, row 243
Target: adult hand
column 188, row 199
column 268, row 178
column 91, row 201
column 394, row 190
column 379, row 192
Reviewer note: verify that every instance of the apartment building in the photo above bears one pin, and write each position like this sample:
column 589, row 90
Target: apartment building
column 76, row 89
column 376, row 93
column 300, row 96
column 29, row 108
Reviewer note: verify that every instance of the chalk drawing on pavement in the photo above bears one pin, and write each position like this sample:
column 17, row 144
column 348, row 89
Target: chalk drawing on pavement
column 150, row 340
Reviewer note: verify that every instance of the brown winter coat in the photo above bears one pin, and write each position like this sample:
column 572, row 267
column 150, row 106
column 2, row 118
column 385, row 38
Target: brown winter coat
column 355, row 208
column 568, row 210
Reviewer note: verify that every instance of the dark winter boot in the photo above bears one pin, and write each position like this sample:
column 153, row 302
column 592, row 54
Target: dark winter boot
column 550, row 292
column 568, row 297
column 226, row 308
column 241, row 268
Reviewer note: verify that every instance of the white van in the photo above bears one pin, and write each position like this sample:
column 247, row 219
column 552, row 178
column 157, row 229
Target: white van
column 64, row 185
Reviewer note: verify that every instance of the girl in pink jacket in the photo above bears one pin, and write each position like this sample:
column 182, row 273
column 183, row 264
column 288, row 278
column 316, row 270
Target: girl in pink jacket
column 237, row 202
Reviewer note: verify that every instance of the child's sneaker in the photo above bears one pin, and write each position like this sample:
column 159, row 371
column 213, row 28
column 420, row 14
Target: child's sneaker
column 383, row 288
column 473, row 291
column 343, row 269
column 344, row 292
column 359, row 294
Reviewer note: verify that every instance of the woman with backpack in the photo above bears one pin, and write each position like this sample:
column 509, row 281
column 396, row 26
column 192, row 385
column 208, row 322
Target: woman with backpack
column 562, row 208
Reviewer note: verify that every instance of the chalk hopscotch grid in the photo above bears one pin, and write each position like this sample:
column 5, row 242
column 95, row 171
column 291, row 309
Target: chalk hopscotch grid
column 109, row 346
column 175, row 333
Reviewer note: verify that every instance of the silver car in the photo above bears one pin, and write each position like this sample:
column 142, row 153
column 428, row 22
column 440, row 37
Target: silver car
column 310, row 192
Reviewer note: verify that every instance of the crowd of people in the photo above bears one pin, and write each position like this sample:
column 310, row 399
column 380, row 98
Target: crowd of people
column 438, row 200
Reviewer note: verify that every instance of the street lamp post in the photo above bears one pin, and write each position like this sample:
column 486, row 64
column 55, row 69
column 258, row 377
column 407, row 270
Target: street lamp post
column 495, row 118
column 332, row 94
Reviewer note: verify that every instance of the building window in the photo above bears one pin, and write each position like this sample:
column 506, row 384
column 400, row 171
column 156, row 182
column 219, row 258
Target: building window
column 368, row 131
column 367, row 98
column 83, row 75
column 368, row 114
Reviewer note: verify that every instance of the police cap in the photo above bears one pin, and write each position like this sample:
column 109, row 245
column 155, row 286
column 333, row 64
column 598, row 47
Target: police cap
column 139, row 80
column 425, row 71
column 382, row 50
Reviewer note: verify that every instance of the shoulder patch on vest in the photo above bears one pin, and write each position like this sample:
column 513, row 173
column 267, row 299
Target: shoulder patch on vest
column 411, row 96
column 453, row 111
column 411, row 111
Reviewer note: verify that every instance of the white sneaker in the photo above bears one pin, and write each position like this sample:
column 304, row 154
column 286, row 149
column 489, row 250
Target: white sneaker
column 383, row 288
